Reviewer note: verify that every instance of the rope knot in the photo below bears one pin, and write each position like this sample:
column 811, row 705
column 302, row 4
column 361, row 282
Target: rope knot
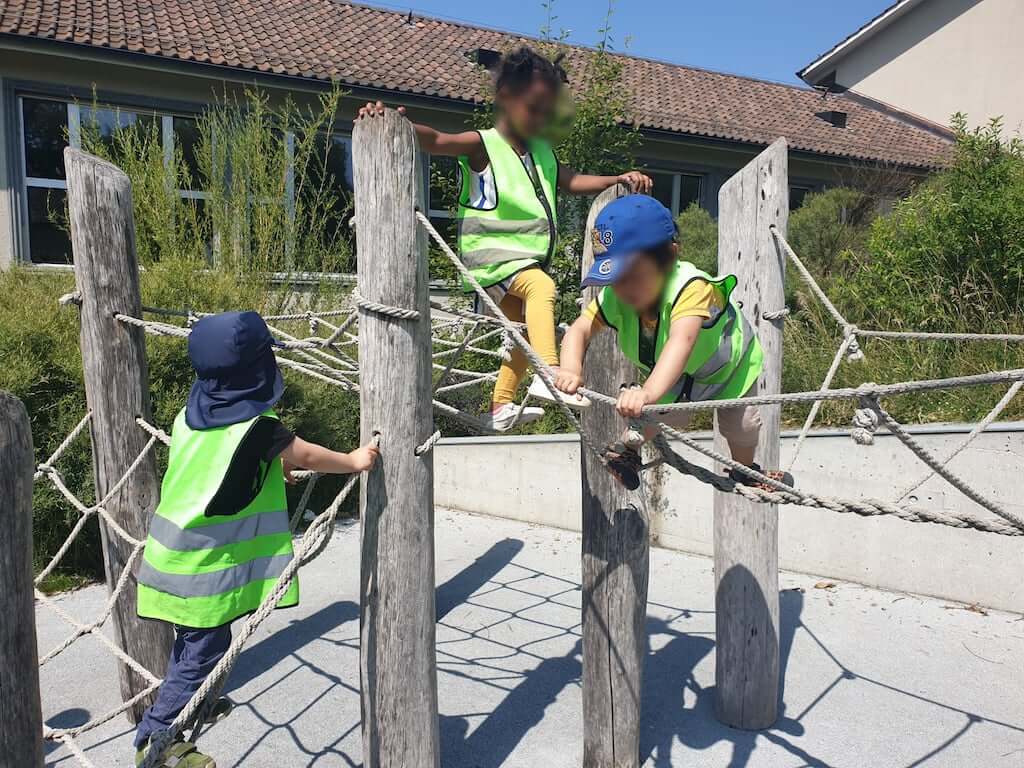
column 778, row 314
column 865, row 419
column 854, row 354
column 508, row 345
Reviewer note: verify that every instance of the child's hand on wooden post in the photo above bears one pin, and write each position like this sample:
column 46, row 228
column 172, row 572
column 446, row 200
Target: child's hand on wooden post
column 639, row 182
column 375, row 109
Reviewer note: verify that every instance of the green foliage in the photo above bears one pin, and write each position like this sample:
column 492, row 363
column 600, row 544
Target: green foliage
column 948, row 257
column 954, row 250
column 698, row 238
column 183, row 270
column 246, row 166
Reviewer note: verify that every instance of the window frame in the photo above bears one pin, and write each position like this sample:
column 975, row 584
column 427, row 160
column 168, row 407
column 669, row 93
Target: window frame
column 15, row 94
column 677, row 184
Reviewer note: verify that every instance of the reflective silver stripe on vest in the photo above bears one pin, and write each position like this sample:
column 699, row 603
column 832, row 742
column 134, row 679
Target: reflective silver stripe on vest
column 723, row 354
column 484, row 257
column 711, row 391
column 215, row 582
column 483, row 225
column 218, row 535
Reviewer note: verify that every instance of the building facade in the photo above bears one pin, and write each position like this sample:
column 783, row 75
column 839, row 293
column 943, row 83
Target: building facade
column 934, row 58
column 65, row 65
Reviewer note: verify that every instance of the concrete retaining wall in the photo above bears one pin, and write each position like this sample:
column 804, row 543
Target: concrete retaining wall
column 537, row 479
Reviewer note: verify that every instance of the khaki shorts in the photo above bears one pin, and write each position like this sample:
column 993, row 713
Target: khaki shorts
column 741, row 425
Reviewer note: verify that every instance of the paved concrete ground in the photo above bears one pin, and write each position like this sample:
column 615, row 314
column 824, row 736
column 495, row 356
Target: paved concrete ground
column 872, row 679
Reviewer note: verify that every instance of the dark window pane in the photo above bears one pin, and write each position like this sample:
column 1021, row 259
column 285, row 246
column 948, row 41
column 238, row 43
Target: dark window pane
column 444, row 180
column 689, row 191
column 107, row 122
column 49, row 243
column 339, row 162
column 46, row 125
column 796, row 197
column 186, row 139
column 663, row 188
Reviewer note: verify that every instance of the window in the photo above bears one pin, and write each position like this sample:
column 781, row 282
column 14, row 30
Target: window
column 442, row 194
column 44, row 129
column 797, row 195
column 676, row 191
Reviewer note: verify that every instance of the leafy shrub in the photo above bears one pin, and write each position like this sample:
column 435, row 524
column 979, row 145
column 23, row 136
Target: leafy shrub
column 698, row 238
column 183, row 270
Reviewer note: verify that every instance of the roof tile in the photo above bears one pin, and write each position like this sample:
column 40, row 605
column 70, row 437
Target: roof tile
column 358, row 45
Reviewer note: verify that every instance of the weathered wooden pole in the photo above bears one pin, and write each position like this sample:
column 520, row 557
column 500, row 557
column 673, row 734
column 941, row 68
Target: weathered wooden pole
column 21, row 719
column 397, row 656
column 117, row 391
column 746, row 533
column 616, row 560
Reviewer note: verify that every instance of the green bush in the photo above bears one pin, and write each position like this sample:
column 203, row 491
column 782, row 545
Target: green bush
column 43, row 368
column 182, row 270
column 949, row 257
column 698, row 238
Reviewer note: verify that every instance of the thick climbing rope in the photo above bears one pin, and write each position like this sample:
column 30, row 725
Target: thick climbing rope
column 540, row 367
column 980, row 427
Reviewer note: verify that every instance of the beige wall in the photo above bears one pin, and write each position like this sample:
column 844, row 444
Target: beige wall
column 945, row 56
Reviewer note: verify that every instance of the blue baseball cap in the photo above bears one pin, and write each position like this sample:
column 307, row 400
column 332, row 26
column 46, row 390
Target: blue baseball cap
column 237, row 377
column 624, row 228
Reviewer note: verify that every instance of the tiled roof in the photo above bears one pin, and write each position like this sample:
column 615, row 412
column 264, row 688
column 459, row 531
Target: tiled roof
column 364, row 46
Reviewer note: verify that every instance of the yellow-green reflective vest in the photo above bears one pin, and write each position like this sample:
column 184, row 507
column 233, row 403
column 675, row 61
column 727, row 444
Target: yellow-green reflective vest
column 204, row 571
column 726, row 358
column 521, row 230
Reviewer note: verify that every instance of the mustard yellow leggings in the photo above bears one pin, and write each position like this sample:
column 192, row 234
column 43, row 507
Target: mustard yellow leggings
column 530, row 299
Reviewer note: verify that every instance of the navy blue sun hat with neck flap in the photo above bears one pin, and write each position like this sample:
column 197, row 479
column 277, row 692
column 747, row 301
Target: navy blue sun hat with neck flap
column 237, row 377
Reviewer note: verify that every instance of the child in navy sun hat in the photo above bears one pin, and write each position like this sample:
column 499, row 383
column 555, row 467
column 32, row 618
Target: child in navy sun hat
column 680, row 326
column 220, row 538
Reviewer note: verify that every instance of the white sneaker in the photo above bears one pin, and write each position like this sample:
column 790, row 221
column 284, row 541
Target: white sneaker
column 540, row 390
column 505, row 418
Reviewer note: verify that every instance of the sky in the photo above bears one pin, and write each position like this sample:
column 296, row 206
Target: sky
column 766, row 39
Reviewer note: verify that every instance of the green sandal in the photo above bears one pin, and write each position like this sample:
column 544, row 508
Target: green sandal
column 181, row 754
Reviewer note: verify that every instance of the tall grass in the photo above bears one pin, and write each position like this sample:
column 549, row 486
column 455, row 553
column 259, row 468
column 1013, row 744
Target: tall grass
column 236, row 249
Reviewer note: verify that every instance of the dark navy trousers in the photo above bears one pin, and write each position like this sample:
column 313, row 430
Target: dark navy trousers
column 193, row 657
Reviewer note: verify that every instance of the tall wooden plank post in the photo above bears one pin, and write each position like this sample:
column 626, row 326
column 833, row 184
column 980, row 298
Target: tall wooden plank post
column 397, row 655
column 616, row 559
column 117, row 392
column 21, row 734
column 746, row 533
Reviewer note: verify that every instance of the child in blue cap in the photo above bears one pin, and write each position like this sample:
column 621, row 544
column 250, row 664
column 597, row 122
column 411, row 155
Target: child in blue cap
column 220, row 537
column 679, row 325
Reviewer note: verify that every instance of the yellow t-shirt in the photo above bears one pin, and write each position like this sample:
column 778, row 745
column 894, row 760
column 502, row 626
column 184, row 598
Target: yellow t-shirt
column 699, row 299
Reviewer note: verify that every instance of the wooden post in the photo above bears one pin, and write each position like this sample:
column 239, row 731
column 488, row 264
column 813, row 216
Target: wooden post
column 397, row 657
column 616, row 560
column 21, row 734
column 117, row 391
column 746, row 534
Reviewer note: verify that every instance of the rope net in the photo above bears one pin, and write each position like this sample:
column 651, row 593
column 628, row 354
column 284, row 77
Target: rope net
column 328, row 354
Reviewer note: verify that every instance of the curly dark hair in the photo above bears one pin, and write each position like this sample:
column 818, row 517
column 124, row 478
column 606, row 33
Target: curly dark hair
column 519, row 68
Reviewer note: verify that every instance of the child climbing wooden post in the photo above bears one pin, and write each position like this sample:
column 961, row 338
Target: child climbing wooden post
column 116, row 390
column 746, row 533
column 21, row 737
column 616, row 559
column 397, row 657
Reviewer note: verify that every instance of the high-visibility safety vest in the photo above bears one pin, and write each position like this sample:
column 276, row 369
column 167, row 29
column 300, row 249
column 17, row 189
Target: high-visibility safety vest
column 202, row 570
column 521, row 230
column 726, row 358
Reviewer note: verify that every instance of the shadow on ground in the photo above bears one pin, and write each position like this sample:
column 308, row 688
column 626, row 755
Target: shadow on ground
column 675, row 705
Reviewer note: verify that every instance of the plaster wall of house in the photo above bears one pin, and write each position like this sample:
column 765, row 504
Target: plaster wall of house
column 945, row 56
